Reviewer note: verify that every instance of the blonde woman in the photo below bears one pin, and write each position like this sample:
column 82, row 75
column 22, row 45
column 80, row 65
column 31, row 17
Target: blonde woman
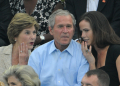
column 22, row 34
column 21, row 75
column 2, row 84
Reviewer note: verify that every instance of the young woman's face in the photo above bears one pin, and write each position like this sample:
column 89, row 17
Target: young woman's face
column 13, row 81
column 27, row 36
column 87, row 33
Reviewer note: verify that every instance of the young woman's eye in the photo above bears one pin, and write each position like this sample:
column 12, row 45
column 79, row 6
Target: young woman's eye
column 86, row 30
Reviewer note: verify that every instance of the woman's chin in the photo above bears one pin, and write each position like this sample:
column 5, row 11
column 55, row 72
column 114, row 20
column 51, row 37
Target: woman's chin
column 88, row 44
column 30, row 48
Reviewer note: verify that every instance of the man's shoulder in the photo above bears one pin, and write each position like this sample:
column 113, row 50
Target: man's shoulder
column 45, row 46
column 75, row 44
column 41, row 51
column 74, row 47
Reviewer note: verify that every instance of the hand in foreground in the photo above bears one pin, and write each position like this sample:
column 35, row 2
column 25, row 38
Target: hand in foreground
column 23, row 54
column 88, row 54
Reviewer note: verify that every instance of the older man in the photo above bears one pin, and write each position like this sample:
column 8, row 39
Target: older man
column 60, row 62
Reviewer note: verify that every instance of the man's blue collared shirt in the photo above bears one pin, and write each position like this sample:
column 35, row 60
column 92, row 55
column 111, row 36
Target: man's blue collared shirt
column 56, row 68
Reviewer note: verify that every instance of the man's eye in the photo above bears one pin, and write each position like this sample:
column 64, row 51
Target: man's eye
column 60, row 26
column 68, row 26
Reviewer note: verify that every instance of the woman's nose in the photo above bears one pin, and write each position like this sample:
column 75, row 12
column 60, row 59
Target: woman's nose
column 33, row 36
column 83, row 35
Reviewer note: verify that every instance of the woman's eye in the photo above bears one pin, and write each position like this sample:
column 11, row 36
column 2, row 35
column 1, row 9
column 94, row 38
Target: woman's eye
column 27, row 32
column 13, row 84
column 34, row 31
column 86, row 30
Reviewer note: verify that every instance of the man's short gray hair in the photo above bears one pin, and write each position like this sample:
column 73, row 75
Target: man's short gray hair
column 59, row 12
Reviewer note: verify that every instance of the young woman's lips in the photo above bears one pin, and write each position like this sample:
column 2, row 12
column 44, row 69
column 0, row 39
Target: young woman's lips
column 86, row 40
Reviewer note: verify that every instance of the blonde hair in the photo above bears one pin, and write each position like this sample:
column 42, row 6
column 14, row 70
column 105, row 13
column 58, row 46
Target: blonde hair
column 20, row 22
column 24, row 73
column 2, row 84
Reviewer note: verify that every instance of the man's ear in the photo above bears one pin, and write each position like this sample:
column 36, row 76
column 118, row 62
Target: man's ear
column 50, row 30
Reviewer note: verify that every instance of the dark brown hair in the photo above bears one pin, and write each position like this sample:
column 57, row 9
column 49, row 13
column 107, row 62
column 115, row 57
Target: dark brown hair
column 103, row 34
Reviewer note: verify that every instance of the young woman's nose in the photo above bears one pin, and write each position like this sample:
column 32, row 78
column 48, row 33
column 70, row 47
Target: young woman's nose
column 83, row 35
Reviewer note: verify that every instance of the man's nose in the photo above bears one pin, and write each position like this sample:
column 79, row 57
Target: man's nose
column 65, row 29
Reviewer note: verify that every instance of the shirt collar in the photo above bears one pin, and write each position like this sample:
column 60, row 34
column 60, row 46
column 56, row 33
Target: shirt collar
column 52, row 47
column 69, row 49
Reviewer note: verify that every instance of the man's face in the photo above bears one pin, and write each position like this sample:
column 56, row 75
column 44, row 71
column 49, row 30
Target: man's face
column 63, row 30
column 90, row 81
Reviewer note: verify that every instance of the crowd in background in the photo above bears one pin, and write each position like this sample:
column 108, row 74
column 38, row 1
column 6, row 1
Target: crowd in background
column 64, row 42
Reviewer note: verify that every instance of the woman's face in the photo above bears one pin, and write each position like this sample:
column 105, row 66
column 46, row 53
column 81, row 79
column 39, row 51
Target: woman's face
column 13, row 81
column 27, row 36
column 87, row 33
